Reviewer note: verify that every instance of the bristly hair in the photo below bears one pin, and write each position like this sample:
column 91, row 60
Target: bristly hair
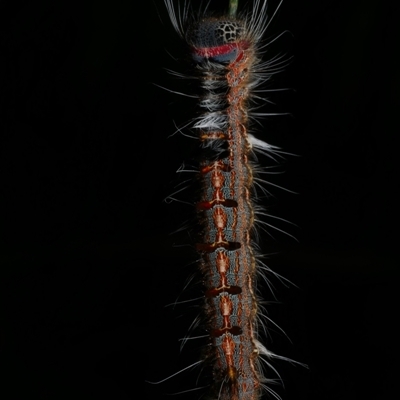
column 226, row 53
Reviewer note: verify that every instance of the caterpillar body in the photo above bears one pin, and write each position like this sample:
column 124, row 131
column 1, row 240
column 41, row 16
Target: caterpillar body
column 226, row 54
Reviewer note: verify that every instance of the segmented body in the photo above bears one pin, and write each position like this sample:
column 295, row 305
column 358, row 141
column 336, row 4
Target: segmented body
column 225, row 52
column 225, row 60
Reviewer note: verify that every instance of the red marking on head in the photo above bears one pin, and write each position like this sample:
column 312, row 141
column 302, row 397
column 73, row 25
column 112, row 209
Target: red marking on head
column 209, row 52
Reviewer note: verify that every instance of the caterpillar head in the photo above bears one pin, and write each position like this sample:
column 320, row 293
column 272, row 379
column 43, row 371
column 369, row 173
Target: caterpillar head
column 214, row 32
column 215, row 40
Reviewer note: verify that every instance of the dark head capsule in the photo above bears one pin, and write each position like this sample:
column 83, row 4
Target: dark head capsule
column 215, row 40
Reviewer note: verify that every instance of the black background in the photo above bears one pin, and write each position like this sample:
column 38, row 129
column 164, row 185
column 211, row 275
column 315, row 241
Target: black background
column 87, row 262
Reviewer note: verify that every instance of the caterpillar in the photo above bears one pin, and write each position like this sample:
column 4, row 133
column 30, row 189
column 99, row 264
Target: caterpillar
column 226, row 58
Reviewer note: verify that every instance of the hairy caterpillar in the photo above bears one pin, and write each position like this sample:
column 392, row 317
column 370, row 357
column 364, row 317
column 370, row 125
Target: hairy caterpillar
column 226, row 55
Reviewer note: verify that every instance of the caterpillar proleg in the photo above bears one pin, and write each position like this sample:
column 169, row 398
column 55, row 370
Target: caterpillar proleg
column 226, row 57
